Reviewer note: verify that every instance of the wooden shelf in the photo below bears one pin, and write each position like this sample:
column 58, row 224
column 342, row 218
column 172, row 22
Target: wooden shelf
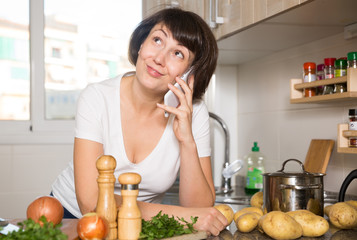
column 342, row 139
column 297, row 87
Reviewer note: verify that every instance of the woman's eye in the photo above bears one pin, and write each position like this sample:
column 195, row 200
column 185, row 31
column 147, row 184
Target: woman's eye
column 179, row 54
column 157, row 40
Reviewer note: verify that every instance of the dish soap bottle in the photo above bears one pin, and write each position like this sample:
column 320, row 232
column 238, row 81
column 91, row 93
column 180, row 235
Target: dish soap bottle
column 255, row 163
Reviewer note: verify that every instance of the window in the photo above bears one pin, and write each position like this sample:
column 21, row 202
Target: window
column 14, row 60
column 73, row 43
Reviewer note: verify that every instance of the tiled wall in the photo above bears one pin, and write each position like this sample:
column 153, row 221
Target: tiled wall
column 27, row 172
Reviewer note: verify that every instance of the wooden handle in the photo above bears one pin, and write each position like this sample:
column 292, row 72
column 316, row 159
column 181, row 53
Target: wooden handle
column 106, row 162
column 129, row 178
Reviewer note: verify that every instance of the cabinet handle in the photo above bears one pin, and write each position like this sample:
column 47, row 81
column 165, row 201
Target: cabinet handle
column 217, row 20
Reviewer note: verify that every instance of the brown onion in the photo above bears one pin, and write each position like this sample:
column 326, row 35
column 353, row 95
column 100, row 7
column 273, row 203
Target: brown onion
column 92, row 226
column 46, row 206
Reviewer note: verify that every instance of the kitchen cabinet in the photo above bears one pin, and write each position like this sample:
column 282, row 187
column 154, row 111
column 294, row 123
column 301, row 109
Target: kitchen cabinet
column 280, row 25
column 200, row 7
column 240, row 14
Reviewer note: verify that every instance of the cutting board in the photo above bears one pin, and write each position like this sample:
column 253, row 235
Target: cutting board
column 318, row 155
column 191, row 236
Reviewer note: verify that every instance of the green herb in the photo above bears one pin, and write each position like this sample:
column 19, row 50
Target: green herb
column 163, row 226
column 30, row 230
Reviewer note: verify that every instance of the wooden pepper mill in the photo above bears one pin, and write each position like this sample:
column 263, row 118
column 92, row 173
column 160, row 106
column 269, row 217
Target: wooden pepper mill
column 106, row 206
column 129, row 218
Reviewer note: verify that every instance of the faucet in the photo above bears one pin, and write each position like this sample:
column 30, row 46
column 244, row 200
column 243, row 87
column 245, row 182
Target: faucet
column 226, row 182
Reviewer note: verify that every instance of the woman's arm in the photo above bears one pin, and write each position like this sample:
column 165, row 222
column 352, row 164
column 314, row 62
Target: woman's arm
column 85, row 156
column 196, row 181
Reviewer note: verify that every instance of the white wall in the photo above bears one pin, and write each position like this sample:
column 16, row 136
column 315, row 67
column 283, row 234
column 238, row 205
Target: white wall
column 284, row 130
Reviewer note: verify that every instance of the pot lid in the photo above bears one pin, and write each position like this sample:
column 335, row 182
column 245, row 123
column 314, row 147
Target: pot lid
column 302, row 173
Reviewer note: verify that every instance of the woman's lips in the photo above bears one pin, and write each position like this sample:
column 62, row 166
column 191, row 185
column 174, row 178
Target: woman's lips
column 152, row 72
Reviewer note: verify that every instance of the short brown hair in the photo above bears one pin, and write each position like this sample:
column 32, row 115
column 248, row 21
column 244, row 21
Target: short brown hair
column 193, row 32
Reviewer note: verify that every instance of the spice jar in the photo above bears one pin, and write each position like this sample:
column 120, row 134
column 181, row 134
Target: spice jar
column 352, row 125
column 329, row 73
column 309, row 76
column 352, row 59
column 320, row 75
column 340, row 71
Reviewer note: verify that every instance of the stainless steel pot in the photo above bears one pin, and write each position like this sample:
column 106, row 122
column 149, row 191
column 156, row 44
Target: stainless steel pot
column 290, row 191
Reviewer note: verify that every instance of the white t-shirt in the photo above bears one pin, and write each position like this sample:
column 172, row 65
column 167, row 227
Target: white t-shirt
column 98, row 119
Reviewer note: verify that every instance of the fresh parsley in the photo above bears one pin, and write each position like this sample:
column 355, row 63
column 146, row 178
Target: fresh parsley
column 163, row 226
column 30, row 230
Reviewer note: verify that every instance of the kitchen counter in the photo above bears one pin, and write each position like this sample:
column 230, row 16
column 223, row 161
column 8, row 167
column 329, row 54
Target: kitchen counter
column 69, row 227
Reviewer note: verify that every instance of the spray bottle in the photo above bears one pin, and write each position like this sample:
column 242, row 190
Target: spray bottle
column 255, row 162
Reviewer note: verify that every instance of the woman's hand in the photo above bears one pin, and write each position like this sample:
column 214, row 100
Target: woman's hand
column 182, row 125
column 210, row 220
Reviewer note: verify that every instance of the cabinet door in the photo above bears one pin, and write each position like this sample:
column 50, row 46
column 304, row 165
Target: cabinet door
column 236, row 15
column 239, row 14
column 199, row 7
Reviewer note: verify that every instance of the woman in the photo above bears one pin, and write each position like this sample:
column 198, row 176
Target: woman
column 124, row 117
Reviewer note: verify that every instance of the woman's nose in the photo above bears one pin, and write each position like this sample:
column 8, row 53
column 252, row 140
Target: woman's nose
column 160, row 58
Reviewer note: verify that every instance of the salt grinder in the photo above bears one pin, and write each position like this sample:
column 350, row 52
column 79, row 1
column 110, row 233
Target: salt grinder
column 129, row 218
column 106, row 206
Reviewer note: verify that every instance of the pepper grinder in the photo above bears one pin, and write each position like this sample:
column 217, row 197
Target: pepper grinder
column 106, row 206
column 129, row 218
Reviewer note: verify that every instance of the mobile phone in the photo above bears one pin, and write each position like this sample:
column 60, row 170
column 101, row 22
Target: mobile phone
column 170, row 98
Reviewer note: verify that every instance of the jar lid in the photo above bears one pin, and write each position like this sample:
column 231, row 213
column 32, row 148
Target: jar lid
column 329, row 61
column 309, row 65
column 341, row 63
column 320, row 67
column 352, row 56
column 352, row 112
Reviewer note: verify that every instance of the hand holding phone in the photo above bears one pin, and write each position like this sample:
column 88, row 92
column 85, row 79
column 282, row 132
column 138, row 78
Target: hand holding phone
column 170, row 98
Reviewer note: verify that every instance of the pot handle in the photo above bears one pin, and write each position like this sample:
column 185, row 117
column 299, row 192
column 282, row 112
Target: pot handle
column 352, row 175
column 292, row 159
column 300, row 187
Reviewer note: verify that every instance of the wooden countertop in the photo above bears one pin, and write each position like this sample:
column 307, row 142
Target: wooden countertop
column 69, row 227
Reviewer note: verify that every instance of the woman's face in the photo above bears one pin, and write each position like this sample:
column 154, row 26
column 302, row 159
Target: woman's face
column 161, row 58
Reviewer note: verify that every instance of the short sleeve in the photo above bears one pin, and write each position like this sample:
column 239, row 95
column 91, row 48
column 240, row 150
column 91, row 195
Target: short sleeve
column 201, row 129
column 88, row 120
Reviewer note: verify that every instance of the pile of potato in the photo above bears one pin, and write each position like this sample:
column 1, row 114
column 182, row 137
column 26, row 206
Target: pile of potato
column 293, row 224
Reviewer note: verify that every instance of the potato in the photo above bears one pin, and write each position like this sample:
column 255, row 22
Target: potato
column 312, row 224
column 227, row 211
column 257, row 200
column 246, row 210
column 352, row 203
column 247, row 222
column 280, row 225
column 327, row 210
column 343, row 215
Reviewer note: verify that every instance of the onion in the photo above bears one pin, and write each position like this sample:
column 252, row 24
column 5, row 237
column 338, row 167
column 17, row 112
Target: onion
column 46, row 206
column 92, row 226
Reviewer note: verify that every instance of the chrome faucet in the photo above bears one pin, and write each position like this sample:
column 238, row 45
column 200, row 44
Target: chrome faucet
column 226, row 182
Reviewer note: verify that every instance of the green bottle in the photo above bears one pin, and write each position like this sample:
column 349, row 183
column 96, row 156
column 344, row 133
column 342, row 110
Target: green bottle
column 255, row 162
